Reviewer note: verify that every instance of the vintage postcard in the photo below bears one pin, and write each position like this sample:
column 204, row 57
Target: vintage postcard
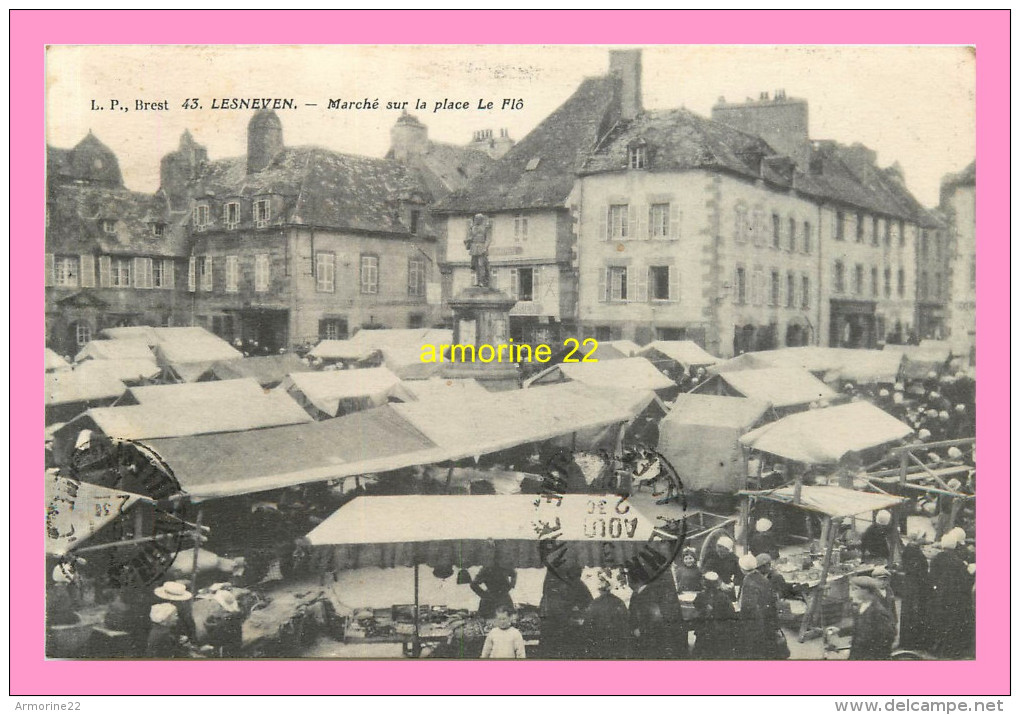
column 520, row 351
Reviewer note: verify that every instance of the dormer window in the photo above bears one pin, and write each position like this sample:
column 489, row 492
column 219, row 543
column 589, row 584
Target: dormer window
column 260, row 211
column 415, row 221
column 232, row 214
column 200, row 217
column 637, row 156
column 108, row 225
column 158, row 229
column 532, row 163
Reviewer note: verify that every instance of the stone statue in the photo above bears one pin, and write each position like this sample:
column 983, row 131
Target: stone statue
column 477, row 243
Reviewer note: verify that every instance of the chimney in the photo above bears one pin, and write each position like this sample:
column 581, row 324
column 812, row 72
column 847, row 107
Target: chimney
column 265, row 139
column 409, row 138
column 626, row 65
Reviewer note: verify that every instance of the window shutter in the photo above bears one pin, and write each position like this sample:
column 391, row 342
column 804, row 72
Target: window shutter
column 49, row 269
column 636, row 280
column 410, row 276
column 493, row 278
column 536, row 284
column 674, row 220
column 139, row 271
column 632, row 221
column 604, row 223
column 88, row 271
column 168, row 274
column 207, row 274
column 674, row 284
column 644, row 227
column 603, row 284
column 104, row 272
column 782, row 290
column 515, row 283
column 191, row 274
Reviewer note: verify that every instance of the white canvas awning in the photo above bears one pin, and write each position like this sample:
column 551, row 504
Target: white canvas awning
column 130, row 370
column 328, row 394
column 70, row 386
column 824, row 435
column 835, row 502
column 685, row 352
column 780, row 387
column 127, row 349
column 54, row 361
column 635, row 373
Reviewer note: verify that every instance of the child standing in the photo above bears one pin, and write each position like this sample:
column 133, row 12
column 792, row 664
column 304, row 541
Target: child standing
column 504, row 641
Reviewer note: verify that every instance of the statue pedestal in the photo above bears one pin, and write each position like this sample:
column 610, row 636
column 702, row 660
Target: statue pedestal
column 481, row 316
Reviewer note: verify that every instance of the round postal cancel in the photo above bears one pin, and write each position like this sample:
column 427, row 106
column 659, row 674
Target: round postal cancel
column 634, row 516
column 118, row 513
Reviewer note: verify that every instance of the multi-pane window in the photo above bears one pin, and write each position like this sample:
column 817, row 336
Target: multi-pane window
column 617, row 283
column 109, row 225
column 520, row 227
column 618, row 221
column 333, row 329
column 805, row 292
column 369, row 274
column 82, row 333
column 740, row 286
column 416, row 277
column 65, row 270
column 858, row 279
column 839, row 277
column 158, row 229
column 887, row 231
column 792, row 234
column 760, row 229
column 774, row 288
column 887, row 283
column 903, row 233
column 807, row 237
column 840, row 225
column 325, row 272
column 758, row 287
column 901, row 283
column 791, row 289
column 120, row 272
column 232, row 214
column 200, row 217
column 232, row 271
column 658, row 278
column 742, row 227
column 163, row 273
column 776, row 226
column 415, row 221
column 874, row 230
column 522, row 283
column 261, row 272
column 658, row 220
column 874, row 281
column 260, row 212
column 636, row 157
column 924, row 244
column 860, row 228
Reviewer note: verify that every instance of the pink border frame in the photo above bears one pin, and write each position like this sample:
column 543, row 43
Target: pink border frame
column 32, row 30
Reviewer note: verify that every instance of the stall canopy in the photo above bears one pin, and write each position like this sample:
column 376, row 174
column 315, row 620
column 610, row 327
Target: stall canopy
column 442, row 388
column 54, row 361
column 823, row 436
column 130, row 370
column 700, row 437
column 132, row 332
column 516, row 417
column 387, row 531
column 614, row 349
column 919, row 360
column 329, row 394
column 77, row 511
column 780, row 387
column 233, row 463
column 835, row 502
column 636, row 373
column 185, row 396
column 684, row 352
column 126, row 349
column 267, row 370
column 869, row 367
column 341, row 350
column 152, row 419
column 72, row 386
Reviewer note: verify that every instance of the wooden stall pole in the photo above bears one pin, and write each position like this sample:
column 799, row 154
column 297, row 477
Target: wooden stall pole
column 416, row 643
column 815, row 602
column 194, row 553
column 745, row 517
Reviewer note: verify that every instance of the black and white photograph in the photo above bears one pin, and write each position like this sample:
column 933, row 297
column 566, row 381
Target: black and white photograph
column 548, row 352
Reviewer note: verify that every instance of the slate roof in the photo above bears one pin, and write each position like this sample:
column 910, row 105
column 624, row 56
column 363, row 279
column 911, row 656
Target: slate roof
column 76, row 212
column 560, row 144
column 445, row 168
column 951, row 182
column 89, row 160
column 320, row 187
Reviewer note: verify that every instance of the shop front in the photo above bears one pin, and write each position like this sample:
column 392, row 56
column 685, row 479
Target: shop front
column 852, row 324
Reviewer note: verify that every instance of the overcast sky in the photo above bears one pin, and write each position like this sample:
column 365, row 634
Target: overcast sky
column 914, row 105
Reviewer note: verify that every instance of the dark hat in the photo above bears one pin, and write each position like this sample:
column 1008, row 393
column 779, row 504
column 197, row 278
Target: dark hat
column 463, row 577
column 443, row 571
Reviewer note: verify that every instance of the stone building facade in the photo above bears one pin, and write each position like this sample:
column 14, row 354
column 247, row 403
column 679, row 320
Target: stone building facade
column 958, row 205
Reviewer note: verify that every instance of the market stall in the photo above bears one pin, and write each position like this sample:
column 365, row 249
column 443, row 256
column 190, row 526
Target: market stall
column 268, row 370
column 69, row 392
column 670, row 354
column 633, row 372
column 516, row 531
column 784, row 388
column 338, row 392
column 822, row 569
